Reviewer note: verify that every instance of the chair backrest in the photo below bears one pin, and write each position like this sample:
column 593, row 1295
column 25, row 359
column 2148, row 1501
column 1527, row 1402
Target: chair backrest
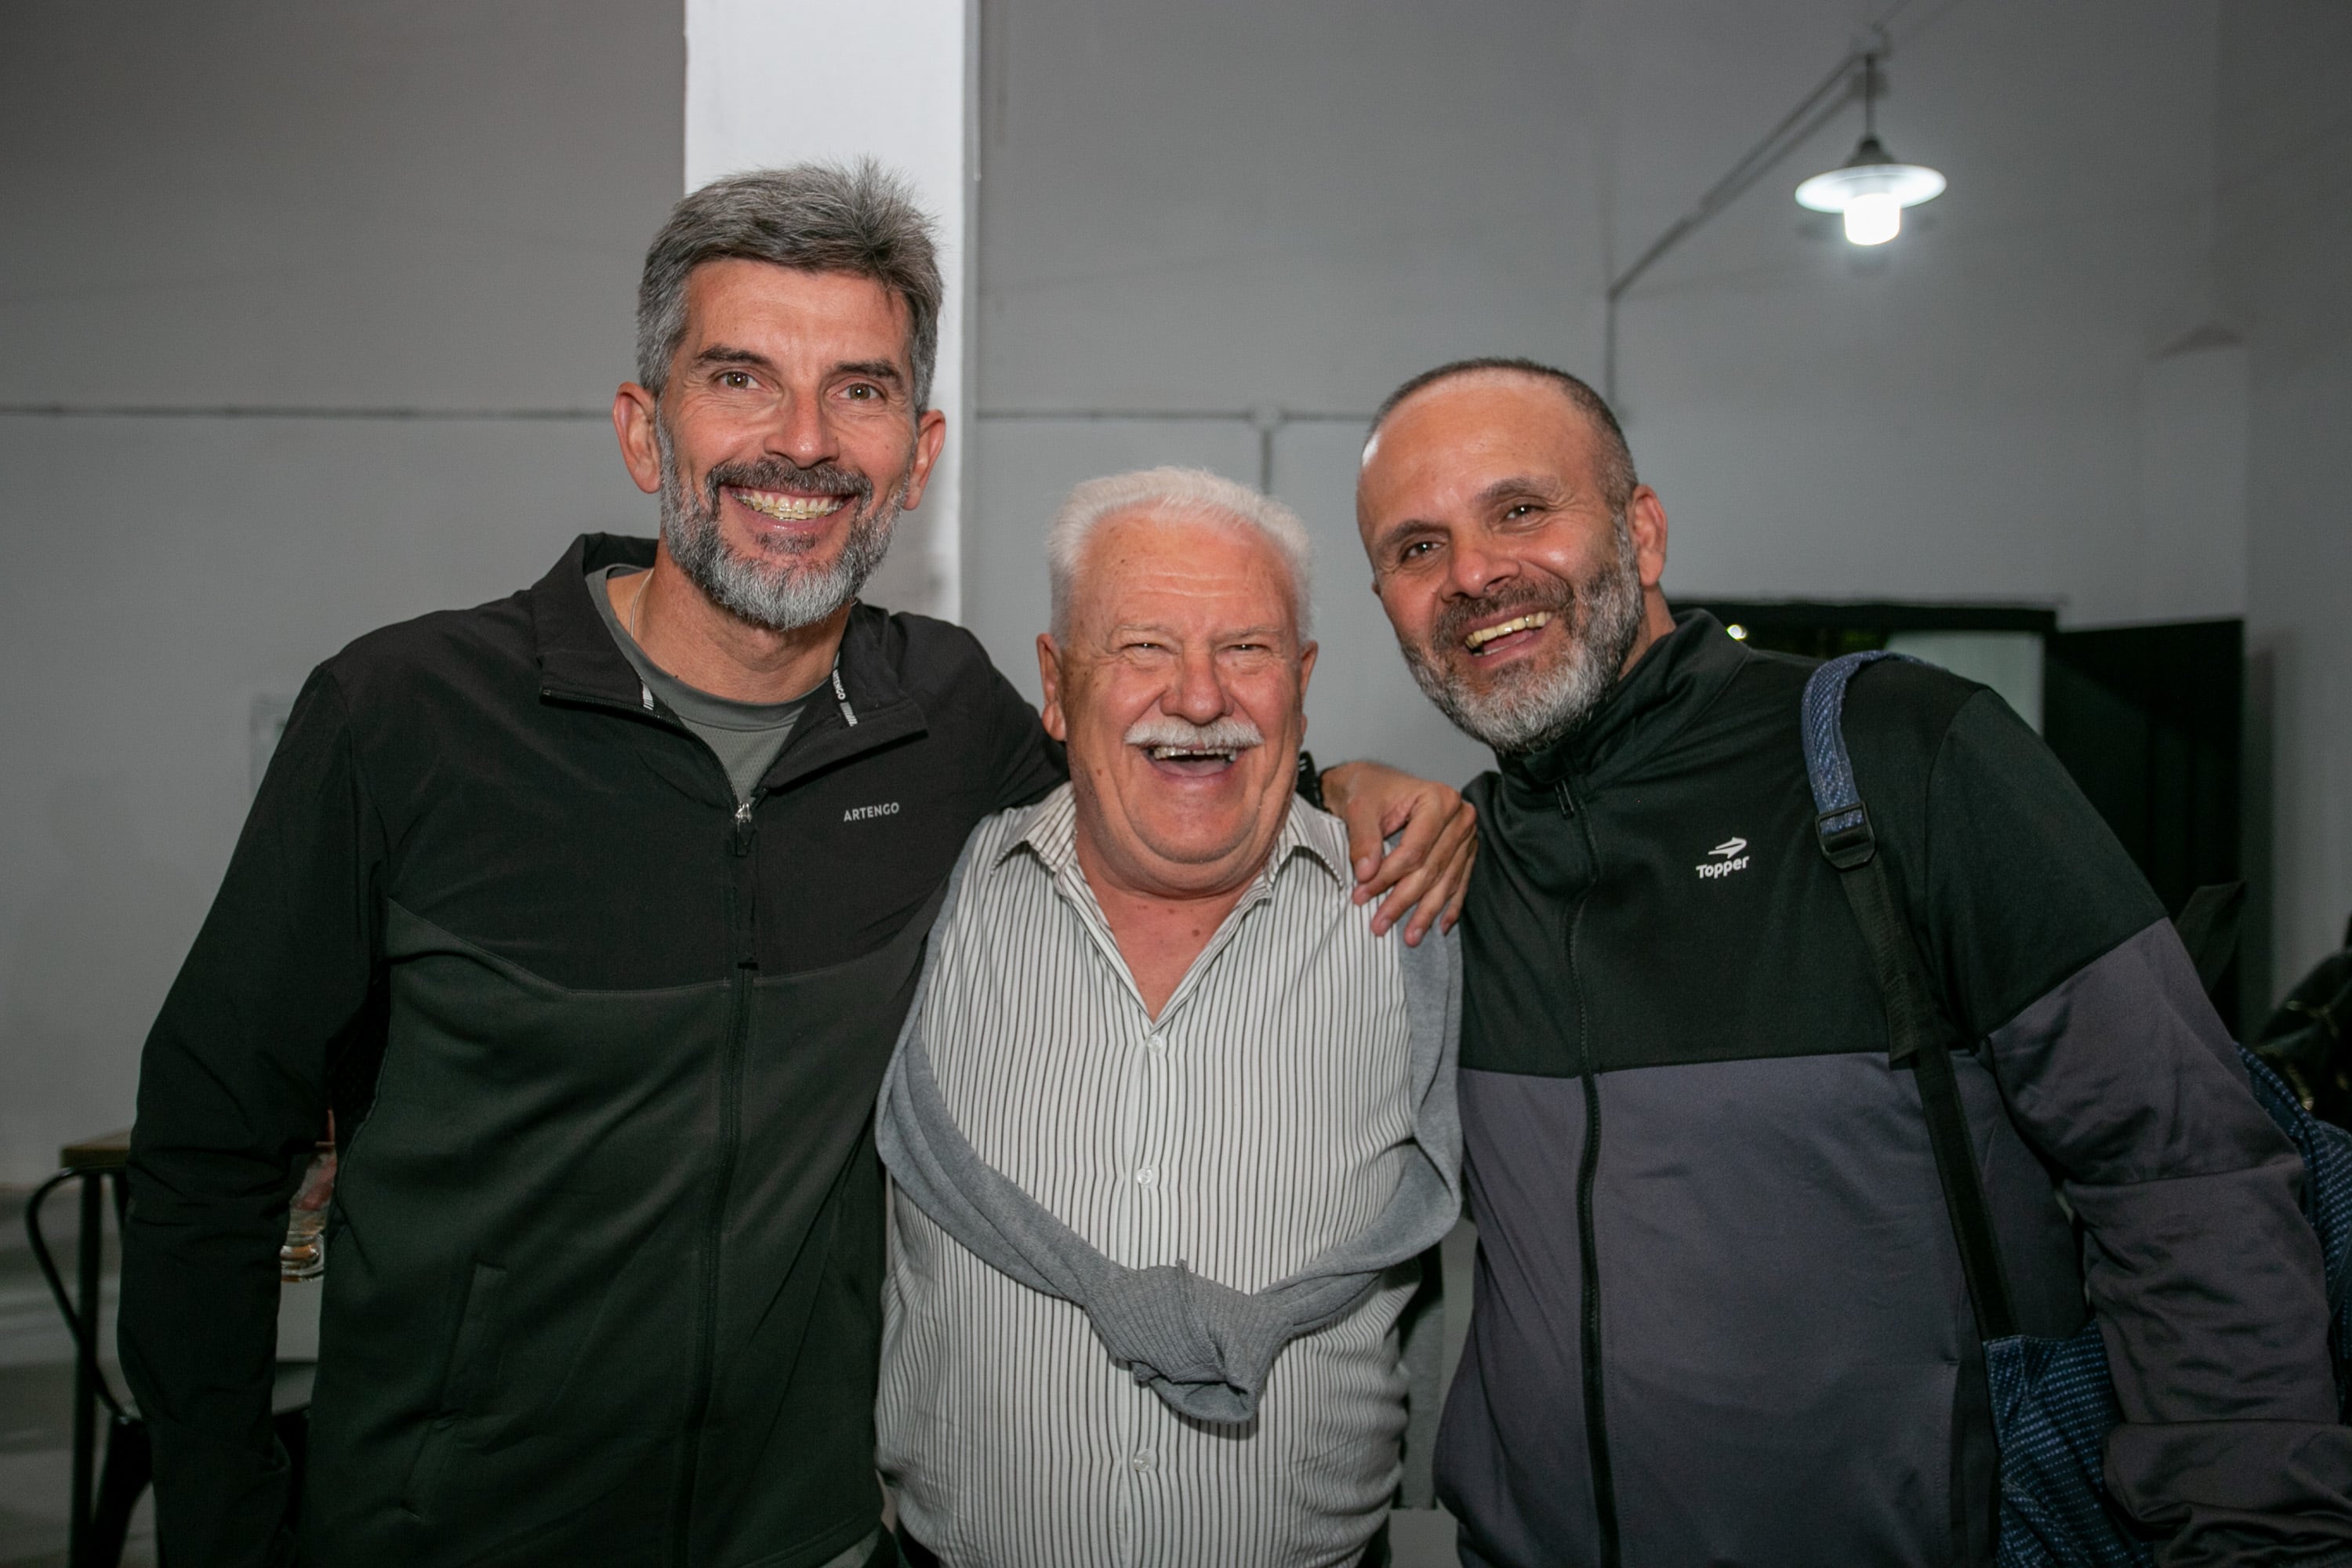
column 84, row 1334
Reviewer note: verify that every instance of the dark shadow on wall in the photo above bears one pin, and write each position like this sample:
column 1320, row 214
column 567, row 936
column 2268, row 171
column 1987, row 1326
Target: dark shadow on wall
column 2149, row 721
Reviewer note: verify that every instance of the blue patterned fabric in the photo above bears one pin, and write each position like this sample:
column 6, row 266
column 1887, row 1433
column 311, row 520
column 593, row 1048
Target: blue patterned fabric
column 2052, row 1405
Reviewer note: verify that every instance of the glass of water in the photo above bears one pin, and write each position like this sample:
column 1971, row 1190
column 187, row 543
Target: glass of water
column 304, row 1256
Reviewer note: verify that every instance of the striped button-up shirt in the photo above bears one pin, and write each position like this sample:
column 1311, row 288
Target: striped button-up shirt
column 1263, row 1117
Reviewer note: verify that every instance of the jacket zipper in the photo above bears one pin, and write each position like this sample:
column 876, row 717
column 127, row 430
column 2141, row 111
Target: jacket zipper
column 1596, row 1415
column 742, row 833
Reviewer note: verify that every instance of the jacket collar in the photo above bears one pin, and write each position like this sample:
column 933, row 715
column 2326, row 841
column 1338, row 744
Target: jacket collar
column 1672, row 683
column 579, row 662
column 867, row 709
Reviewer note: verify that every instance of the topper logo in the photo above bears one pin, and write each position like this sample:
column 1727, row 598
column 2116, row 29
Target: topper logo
column 1730, row 855
column 865, row 813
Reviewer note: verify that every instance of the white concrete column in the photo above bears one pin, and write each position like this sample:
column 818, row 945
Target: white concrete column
column 783, row 82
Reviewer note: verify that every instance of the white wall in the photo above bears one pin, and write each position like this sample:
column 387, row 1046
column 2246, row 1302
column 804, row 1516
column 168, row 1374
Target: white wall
column 433, row 207
column 2285, row 181
column 2192, row 554
column 2125, row 319
column 1229, row 204
column 1959, row 415
column 773, row 81
column 1223, row 204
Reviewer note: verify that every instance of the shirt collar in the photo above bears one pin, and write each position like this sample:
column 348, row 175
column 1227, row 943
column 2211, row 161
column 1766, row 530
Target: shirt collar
column 1050, row 831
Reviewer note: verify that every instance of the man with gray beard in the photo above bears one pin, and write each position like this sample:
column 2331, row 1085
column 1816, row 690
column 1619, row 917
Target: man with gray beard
column 1719, row 1312
column 781, row 599
column 593, row 913
column 1525, row 707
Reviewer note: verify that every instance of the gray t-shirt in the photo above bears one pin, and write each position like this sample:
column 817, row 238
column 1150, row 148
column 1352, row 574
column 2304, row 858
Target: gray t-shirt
column 748, row 736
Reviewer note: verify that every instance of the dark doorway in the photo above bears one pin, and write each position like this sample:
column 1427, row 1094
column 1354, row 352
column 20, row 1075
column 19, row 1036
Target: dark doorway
column 2149, row 720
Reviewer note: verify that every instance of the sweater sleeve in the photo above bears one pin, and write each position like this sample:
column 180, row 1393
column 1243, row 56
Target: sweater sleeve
column 232, row 1096
column 2206, row 1281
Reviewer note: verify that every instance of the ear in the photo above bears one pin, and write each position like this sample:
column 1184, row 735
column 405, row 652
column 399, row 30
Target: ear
column 634, row 410
column 1049, row 676
column 1306, row 674
column 1646, row 520
column 930, row 436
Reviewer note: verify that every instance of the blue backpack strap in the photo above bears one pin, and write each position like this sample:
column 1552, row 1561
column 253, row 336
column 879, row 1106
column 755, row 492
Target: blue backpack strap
column 1840, row 821
column 1918, row 1034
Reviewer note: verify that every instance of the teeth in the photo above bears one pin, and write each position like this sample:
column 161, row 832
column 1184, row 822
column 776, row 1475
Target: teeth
column 1485, row 634
column 1174, row 753
column 789, row 508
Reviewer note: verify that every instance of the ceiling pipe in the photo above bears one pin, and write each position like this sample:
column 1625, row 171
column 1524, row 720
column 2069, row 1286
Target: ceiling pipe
column 1812, row 112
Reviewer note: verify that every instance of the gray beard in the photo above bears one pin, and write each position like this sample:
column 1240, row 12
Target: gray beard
column 774, row 591
column 1529, row 708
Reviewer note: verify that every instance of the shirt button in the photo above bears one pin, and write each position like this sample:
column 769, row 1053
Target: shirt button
column 1147, row 1175
column 1144, row 1459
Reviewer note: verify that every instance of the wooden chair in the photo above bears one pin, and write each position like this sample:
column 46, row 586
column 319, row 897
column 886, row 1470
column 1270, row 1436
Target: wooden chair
column 104, row 1497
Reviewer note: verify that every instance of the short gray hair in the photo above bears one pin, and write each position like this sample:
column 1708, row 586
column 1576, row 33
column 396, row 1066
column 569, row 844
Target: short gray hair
column 1178, row 495
column 816, row 218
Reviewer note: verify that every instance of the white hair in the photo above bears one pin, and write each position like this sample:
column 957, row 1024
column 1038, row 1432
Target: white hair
column 1175, row 495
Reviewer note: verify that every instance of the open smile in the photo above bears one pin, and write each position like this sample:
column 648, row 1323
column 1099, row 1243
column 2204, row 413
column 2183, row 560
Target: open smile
column 786, row 507
column 1501, row 637
column 1192, row 762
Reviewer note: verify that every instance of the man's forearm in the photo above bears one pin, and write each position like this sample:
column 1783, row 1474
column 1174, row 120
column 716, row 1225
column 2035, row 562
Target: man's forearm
column 198, row 1342
column 2206, row 1279
column 1427, row 870
column 232, row 1098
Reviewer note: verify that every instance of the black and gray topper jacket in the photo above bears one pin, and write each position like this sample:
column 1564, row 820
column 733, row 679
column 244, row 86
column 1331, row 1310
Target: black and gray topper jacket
column 1719, row 1316
column 604, row 1263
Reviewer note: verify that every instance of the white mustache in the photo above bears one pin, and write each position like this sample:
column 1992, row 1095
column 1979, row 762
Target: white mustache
column 1230, row 733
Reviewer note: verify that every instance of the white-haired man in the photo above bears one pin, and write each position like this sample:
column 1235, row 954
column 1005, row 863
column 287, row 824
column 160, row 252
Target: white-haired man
column 1170, row 1123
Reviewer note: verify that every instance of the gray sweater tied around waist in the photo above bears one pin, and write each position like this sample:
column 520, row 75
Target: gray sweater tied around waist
column 1204, row 1348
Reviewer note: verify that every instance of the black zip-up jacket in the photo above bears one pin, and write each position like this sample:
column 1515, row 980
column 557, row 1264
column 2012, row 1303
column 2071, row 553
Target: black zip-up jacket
column 1720, row 1315
column 605, row 1260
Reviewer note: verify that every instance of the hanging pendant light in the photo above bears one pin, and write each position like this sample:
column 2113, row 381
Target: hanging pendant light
column 1872, row 189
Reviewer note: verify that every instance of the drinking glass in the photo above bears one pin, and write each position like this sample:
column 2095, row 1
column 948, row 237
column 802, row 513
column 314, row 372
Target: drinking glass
column 304, row 1256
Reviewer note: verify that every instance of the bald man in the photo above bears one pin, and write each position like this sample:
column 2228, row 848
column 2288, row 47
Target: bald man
column 1719, row 1314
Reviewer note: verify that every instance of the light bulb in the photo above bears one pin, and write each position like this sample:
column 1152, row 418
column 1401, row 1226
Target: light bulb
column 1872, row 189
column 1873, row 217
